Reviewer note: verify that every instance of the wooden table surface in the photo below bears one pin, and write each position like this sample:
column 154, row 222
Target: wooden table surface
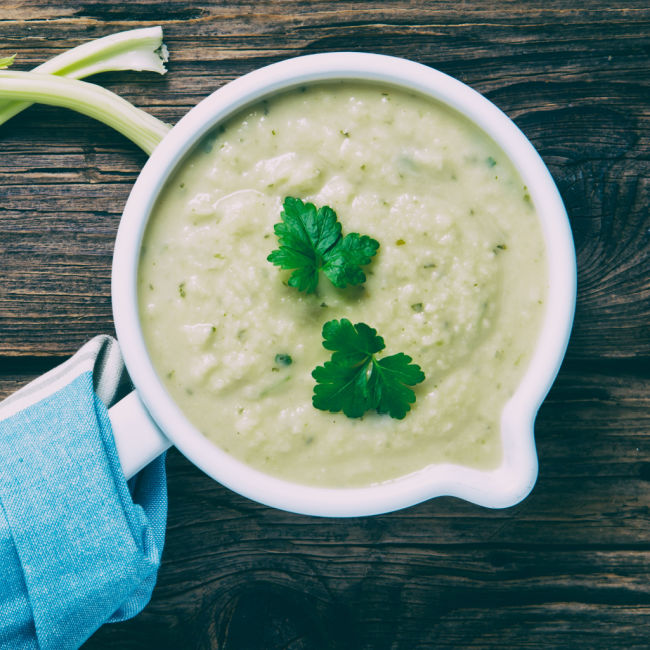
column 568, row 566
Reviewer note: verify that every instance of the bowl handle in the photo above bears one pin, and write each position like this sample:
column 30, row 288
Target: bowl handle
column 137, row 437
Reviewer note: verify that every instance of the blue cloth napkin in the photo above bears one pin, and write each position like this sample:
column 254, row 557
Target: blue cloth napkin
column 79, row 547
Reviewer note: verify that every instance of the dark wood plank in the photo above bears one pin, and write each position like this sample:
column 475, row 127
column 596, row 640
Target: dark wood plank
column 574, row 80
column 567, row 565
column 570, row 565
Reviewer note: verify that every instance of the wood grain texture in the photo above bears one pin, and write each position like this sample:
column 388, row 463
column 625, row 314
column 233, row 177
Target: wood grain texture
column 574, row 80
column 567, row 566
column 570, row 565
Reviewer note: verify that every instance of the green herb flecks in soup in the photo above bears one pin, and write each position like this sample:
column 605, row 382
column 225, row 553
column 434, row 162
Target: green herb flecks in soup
column 457, row 283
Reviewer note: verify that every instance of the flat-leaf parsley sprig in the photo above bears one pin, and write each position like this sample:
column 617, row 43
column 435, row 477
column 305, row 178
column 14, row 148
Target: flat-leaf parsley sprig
column 355, row 381
column 311, row 241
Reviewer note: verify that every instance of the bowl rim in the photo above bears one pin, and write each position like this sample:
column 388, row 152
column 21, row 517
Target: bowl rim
column 501, row 487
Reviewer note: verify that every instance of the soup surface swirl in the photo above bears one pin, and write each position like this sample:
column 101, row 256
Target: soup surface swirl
column 459, row 282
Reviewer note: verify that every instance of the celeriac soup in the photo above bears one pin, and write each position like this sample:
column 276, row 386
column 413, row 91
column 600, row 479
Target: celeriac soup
column 458, row 282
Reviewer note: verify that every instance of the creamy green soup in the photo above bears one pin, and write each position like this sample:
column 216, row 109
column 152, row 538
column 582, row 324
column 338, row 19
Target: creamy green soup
column 458, row 283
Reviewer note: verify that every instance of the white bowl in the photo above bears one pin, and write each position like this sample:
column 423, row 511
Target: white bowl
column 501, row 487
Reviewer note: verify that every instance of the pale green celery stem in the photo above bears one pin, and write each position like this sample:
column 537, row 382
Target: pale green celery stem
column 96, row 102
column 135, row 49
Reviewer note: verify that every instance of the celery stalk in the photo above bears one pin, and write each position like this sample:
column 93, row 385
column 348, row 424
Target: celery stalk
column 92, row 100
column 135, row 49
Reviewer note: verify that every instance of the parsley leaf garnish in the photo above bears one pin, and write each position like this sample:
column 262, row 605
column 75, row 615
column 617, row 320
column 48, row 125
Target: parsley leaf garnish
column 311, row 241
column 354, row 381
